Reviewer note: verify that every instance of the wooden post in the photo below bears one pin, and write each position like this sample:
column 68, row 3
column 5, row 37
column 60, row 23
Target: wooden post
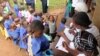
column 96, row 17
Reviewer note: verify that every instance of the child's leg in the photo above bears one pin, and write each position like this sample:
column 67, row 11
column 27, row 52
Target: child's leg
column 2, row 30
column 53, row 35
column 6, row 34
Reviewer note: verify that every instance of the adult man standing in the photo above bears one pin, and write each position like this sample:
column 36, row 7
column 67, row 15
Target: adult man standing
column 44, row 6
column 31, row 3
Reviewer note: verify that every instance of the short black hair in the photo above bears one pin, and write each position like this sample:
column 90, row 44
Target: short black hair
column 36, row 25
column 63, row 20
column 82, row 19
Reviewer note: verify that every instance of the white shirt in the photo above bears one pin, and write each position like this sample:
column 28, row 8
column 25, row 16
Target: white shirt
column 93, row 30
column 30, row 46
column 74, row 2
column 52, row 27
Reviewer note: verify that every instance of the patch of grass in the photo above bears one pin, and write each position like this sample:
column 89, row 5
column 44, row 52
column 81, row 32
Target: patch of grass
column 54, row 4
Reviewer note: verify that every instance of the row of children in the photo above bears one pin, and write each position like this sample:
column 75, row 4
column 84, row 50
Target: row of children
column 17, row 29
column 28, row 29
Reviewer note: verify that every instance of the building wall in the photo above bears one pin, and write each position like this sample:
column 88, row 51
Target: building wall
column 96, row 17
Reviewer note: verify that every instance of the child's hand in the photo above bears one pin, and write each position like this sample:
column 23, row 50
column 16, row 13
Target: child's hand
column 65, row 45
column 71, row 31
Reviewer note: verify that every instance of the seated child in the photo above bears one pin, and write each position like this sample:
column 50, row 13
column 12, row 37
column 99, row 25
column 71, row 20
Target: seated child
column 39, row 42
column 62, row 25
column 30, row 17
column 29, row 45
column 23, row 32
column 14, row 33
column 7, row 24
column 20, row 13
column 37, row 16
column 17, row 22
column 5, row 9
column 16, row 8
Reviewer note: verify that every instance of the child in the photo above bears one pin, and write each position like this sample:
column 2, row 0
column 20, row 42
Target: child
column 17, row 22
column 62, row 25
column 46, row 33
column 14, row 33
column 30, row 16
column 39, row 42
column 29, row 37
column 7, row 24
column 52, row 26
column 23, row 32
column 5, row 9
column 20, row 13
column 16, row 8
column 8, row 5
column 37, row 16
column 11, row 16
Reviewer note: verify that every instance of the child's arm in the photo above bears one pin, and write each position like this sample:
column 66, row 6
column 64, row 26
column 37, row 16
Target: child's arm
column 26, row 36
column 55, row 17
column 75, row 51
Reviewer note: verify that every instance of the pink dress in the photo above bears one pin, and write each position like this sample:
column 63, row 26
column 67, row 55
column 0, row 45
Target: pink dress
column 30, row 18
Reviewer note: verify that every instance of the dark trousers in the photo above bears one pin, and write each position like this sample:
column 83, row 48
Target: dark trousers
column 31, row 4
column 53, row 35
column 44, row 8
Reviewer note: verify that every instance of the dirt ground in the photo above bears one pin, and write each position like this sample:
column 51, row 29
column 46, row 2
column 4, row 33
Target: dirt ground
column 7, row 47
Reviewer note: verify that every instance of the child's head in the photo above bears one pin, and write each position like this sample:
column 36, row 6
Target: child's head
column 6, row 17
column 51, row 18
column 17, row 20
column 36, row 14
column 24, row 23
column 63, row 20
column 37, row 28
column 10, row 13
column 31, row 11
column 40, row 14
column 13, row 26
column 81, row 19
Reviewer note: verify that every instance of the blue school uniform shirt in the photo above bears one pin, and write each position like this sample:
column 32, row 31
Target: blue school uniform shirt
column 29, row 1
column 23, row 33
column 7, row 23
column 16, row 9
column 39, row 45
column 61, row 27
column 14, row 34
column 37, row 18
